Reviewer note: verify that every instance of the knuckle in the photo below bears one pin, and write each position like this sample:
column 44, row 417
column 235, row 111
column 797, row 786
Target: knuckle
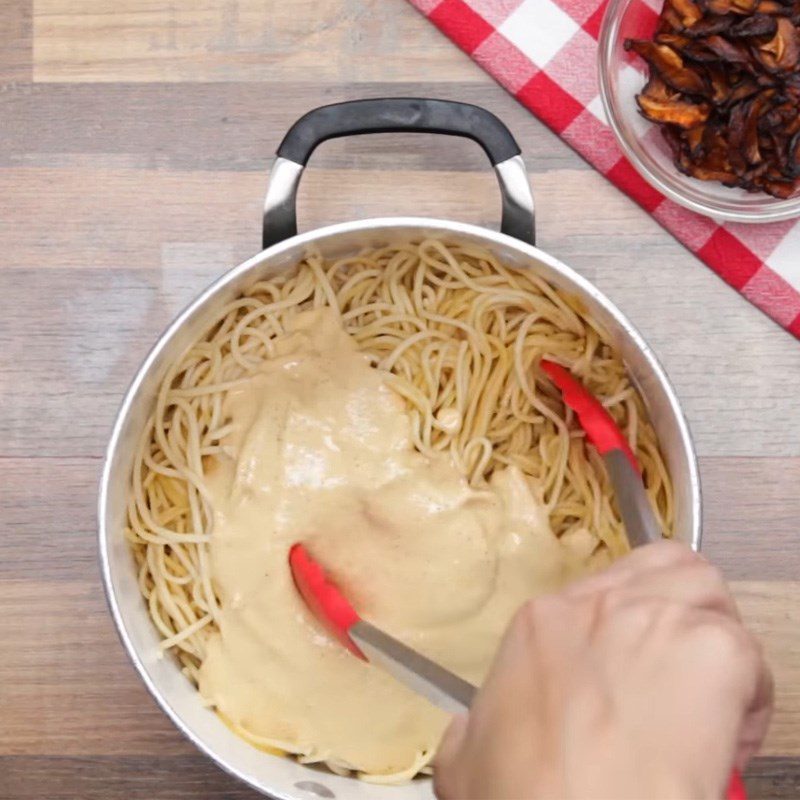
column 534, row 612
column 667, row 553
column 644, row 615
column 640, row 618
column 730, row 642
column 618, row 613
column 539, row 619
column 705, row 570
column 707, row 579
column 612, row 601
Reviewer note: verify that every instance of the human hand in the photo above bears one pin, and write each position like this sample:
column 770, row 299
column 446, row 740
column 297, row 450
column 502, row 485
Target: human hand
column 636, row 682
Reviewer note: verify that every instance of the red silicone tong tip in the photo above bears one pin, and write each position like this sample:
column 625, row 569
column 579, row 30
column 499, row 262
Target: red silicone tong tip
column 323, row 599
column 601, row 430
column 736, row 790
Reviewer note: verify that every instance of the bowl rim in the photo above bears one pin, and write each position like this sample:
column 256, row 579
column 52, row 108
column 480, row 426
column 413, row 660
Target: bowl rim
column 437, row 226
column 776, row 210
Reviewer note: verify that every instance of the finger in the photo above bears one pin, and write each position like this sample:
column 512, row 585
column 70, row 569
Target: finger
column 445, row 765
column 635, row 566
column 452, row 741
column 695, row 584
column 757, row 719
column 741, row 695
column 698, row 584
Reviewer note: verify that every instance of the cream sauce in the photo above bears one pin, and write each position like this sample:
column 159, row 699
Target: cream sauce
column 323, row 455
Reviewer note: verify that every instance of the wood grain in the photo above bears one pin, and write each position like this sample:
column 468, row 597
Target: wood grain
column 179, row 777
column 230, row 127
column 766, row 607
column 175, row 778
column 16, row 26
column 251, row 40
column 752, row 534
column 134, row 149
column 773, row 778
column 167, row 777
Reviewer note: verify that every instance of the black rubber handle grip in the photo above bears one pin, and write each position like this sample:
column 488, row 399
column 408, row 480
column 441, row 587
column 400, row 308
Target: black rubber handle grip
column 394, row 115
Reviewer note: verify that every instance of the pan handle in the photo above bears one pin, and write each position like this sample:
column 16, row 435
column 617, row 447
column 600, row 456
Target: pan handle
column 392, row 115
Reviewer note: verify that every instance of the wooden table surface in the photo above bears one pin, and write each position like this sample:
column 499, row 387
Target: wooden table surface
column 135, row 138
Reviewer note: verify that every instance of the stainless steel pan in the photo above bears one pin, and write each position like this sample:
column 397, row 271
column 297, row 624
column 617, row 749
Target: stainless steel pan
column 283, row 247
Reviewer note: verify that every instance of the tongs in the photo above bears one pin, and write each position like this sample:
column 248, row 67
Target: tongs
column 369, row 643
column 440, row 686
column 640, row 522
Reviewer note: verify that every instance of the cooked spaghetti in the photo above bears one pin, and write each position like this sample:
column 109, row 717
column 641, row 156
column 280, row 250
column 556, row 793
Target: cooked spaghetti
column 453, row 333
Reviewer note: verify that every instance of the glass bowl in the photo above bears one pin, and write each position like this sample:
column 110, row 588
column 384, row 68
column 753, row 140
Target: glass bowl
column 622, row 76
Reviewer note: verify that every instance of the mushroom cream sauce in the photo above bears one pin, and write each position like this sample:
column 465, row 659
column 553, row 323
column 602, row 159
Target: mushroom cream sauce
column 386, row 408
column 322, row 453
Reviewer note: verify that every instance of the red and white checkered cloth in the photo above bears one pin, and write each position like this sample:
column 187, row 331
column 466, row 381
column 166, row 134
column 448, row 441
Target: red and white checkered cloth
column 544, row 52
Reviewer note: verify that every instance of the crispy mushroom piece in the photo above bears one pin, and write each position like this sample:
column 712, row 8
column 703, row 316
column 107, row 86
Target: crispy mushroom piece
column 688, row 11
column 724, row 87
column 656, row 89
column 744, row 6
column 793, row 156
column 698, row 51
column 774, row 7
column 710, row 25
column 729, row 6
column 781, row 189
column 670, row 20
column 719, row 85
column 744, row 89
column 757, row 25
column 782, row 51
column 729, row 52
column 674, row 111
column 743, row 134
column 694, row 140
column 676, row 41
column 707, row 174
column 668, row 64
